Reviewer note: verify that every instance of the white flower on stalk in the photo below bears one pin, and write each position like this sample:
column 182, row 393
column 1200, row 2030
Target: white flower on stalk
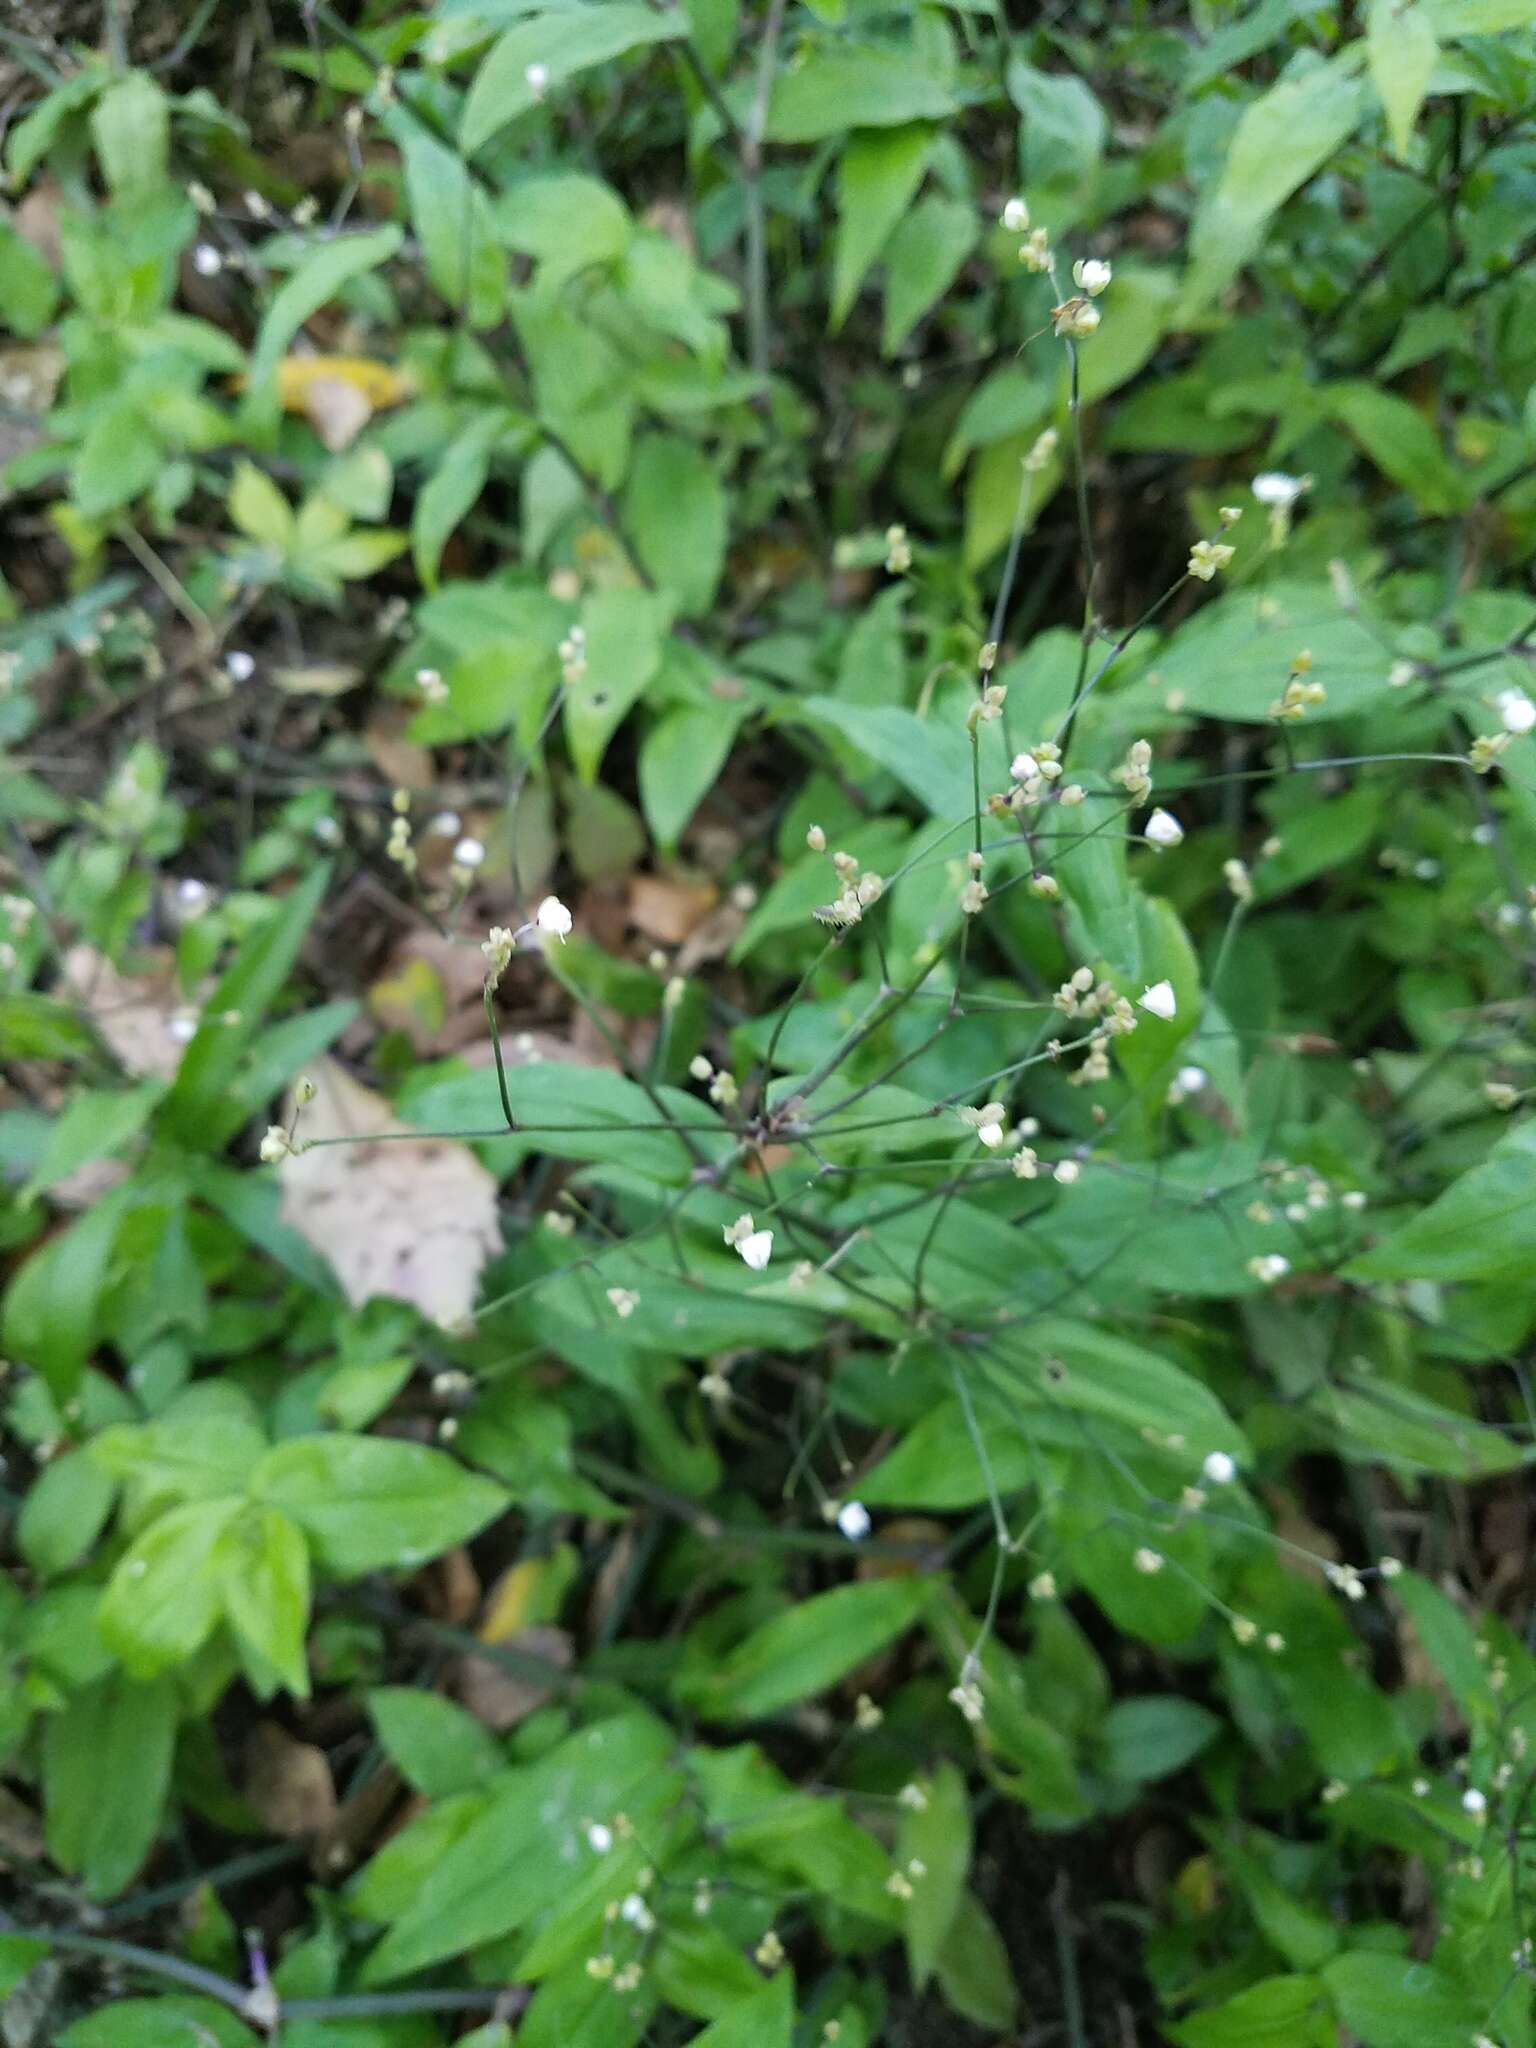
column 1016, row 217
column 624, row 1301
column 275, row 1145
column 469, row 853
column 1206, row 557
column 239, row 666
column 536, row 78
column 1274, row 487
column 1163, row 829
column 754, row 1245
column 1160, row 1000
column 1516, row 711
column 853, row 1520
column 553, row 917
column 986, row 1122
column 206, row 260
column 1219, row 1468
column 1268, row 1267
column 1092, row 276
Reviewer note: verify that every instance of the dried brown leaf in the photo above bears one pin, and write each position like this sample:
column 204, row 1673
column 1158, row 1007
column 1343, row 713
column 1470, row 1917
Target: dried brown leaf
column 667, row 910
column 144, row 1018
column 288, row 1783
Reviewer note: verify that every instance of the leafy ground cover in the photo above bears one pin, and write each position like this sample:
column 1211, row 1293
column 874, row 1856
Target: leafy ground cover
column 769, row 861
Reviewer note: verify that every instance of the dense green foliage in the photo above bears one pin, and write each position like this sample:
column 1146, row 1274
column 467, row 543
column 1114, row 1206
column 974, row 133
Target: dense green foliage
column 911, row 1422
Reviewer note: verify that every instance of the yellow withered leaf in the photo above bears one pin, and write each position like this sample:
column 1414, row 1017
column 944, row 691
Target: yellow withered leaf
column 379, row 383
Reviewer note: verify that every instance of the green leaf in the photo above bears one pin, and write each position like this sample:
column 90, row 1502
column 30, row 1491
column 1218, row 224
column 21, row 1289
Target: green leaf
column 368, row 1502
column 118, row 460
column 1233, row 657
column 624, row 631
column 95, row 1123
column 180, row 2020
column 1403, row 50
column 1401, row 442
column 1277, row 2012
column 877, row 175
column 259, row 508
column 261, row 1564
column 163, row 1599
column 974, row 1971
column 1079, row 1366
column 454, row 219
column 452, row 491
column 765, row 2020
column 50, row 1312
column 1484, row 1224
column 236, row 1007
column 28, row 288
column 840, row 86
column 922, row 259
column 65, row 1510
column 1144, row 1739
column 806, row 1649
column 1377, row 1421
column 131, row 128
column 432, row 1741
column 569, row 221
column 565, row 44
column 1398, row 2002
column 1061, row 138
column 317, row 280
column 928, row 756
column 1283, row 138
column 680, row 757
column 937, row 1835
column 676, row 510
column 106, row 1767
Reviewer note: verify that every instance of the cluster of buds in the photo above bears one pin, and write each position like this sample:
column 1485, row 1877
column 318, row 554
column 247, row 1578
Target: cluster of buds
column 1299, row 695
column 1206, row 557
column 1035, row 248
column 398, row 847
column 1042, row 451
column 986, row 1122
column 1082, row 996
column 973, row 893
column 1134, row 774
column 431, row 685
column 1237, row 878
column 1486, row 749
column 856, row 892
column 1034, row 771
column 1075, row 319
column 573, row 655
column 898, row 551
column 721, row 1084
column 989, row 705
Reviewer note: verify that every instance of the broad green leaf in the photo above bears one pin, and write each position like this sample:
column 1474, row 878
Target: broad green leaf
column 117, row 461
column 65, row 1510
column 1400, row 441
column 923, row 257
column 624, row 631
column 680, row 757
column 261, row 1564
column 854, row 85
column 1233, row 657
column 95, row 1123
column 877, row 175
column 1450, row 1642
column 163, row 1599
column 1079, row 1366
column 676, row 512
column 974, row 1970
column 565, row 44
column 765, row 2020
column 929, row 757
column 1283, row 138
column 1402, row 49
column 324, row 272
column 806, row 1649
column 432, row 1741
column 568, row 221
column 49, row 1319
column 28, row 287
column 1144, row 1739
column 189, row 1455
column 259, row 508
column 1399, row 2002
column 130, row 126
column 178, row 2020
column 368, row 1502
column 106, row 1767
column 1062, row 126
column 1101, row 898
column 451, row 491
column 1484, row 1224
column 936, row 1836
column 1277, row 2012
column 454, row 219
column 1376, row 1421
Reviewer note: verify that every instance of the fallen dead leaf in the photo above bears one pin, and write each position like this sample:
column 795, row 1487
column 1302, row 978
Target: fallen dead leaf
column 666, row 910
column 288, row 1783
column 400, row 760
column 500, row 1696
column 144, row 1018
column 413, row 1220
column 711, row 940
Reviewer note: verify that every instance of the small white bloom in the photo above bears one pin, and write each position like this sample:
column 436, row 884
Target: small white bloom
column 1148, row 1560
column 1473, row 1801
column 1016, row 216
column 853, row 1520
column 275, row 1145
column 206, row 260
column 1191, row 1080
column 469, row 853
column 1067, row 1171
column 1219, row 1468
column 1043, row 1586
column 624, row 1301
column 239, row 666
column 757, row 1249
column 1163, row 829
column 1274, row 487
column 1206, row 557
column 1268, row 1267
column 182, row 1027
column 1160, row 1000
column 1516, row 710
column 192, row 897
column 1091, row 276
column 553, row 917
column 536, row 77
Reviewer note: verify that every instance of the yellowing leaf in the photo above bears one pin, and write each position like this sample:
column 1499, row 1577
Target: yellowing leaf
column 379, row 383
column 413, row 1220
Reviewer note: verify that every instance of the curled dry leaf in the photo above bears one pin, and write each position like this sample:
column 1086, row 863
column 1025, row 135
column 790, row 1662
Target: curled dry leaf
column 667, row 910
column 502, row 1691
column 413, row 1220
column 288, row 1783
column 144, row 1017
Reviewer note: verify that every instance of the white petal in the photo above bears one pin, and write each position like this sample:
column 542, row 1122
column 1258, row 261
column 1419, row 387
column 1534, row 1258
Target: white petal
column 1160, row 1000
column 1516, row 711
column 853, row 1520
column 1274, row 487
column 552, row 916
column 757, row 1249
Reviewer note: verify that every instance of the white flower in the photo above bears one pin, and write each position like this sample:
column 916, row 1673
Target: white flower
column 1268, row 1267
column 206, row 260
column 757, row 1249
column 192, row 896
column 536, row 77
column 1067, row 1171
column 239, row 666
column 1148, row 1560
column 1091, row 276
column 986, row 1122
column 1160, row 1000
column 853, row 1520
column 469, row 853
column 1274, row 487
column 1163, row 829
column 600, row 1838
column 1219, row 1468
column 1473, row 1801
column 553, row 917
column 1075, row 319
column 1206, row 557
column 1016, row 216
column 1516, row 710
column 1191, row 1080
column 624, row 1300
column 275, row 1145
